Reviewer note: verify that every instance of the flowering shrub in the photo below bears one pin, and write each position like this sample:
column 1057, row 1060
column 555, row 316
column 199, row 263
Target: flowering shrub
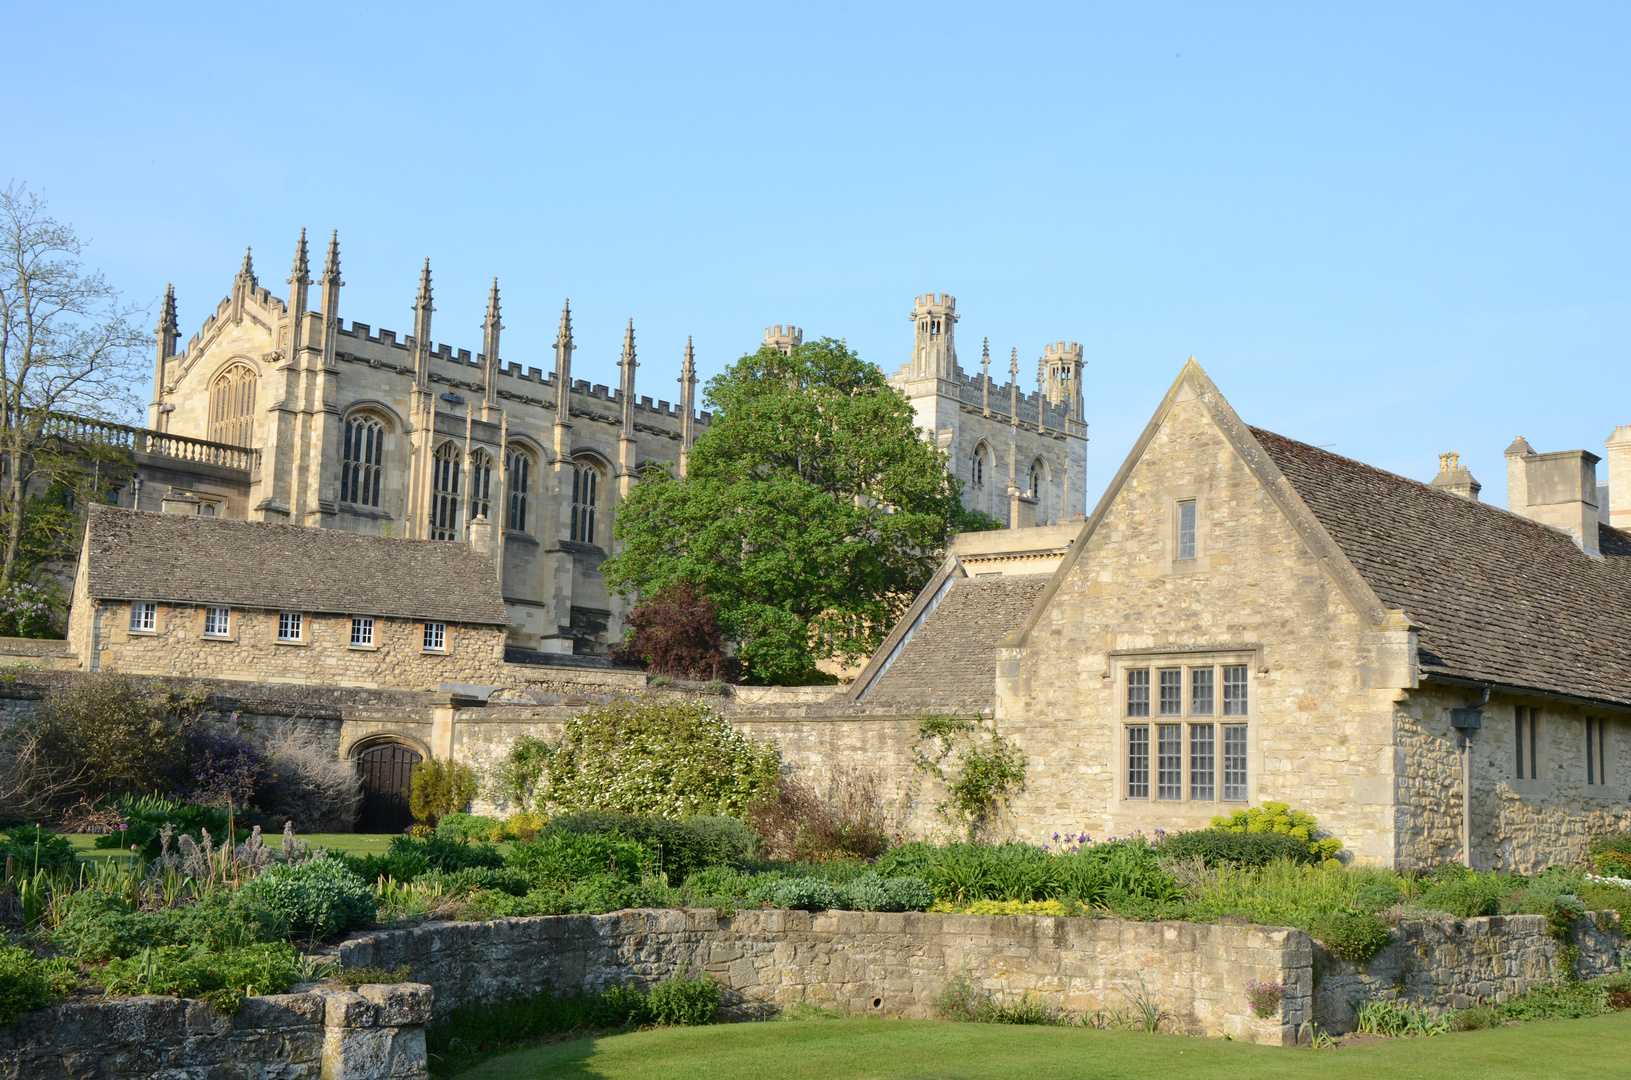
column 224, row 769
column 1277, row 817
column 647, row 756
column 27, row 611
column 1265, row 997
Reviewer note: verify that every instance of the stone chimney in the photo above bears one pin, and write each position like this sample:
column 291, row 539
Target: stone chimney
column 1455, row 477
column 1557, row 489
column 1618, row 448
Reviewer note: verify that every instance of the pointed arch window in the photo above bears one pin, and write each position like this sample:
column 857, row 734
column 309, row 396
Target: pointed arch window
column 232, row 405
column 364, row 461
column 977, row 470
column 585, row 501
column 1038, row 475
column 481, row 485
column 518, row 468
column 444, row 493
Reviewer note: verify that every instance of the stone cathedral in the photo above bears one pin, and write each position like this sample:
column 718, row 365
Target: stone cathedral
column 280, row 411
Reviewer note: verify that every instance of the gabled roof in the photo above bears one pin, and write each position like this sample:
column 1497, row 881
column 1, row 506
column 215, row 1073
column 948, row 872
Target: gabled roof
column 175, row 558
column 942, row 655
column 1500, row 598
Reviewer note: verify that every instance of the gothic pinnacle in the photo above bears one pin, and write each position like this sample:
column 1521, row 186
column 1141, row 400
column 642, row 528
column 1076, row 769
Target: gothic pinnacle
column 564, row 336
column 688, row 367
column 1013, row 365
column 423, row 299
column 167, row 316
column 248, row 271
column 628, row 346
column 492, row 302
column 331, row 267
column 301, row 274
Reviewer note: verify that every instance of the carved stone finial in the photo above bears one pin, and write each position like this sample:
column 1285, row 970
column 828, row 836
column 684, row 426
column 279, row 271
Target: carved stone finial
column 248, row 271
column 167, row 315
column 563, row 337
column 331, row 267
column 422, row 300
column 301, row 274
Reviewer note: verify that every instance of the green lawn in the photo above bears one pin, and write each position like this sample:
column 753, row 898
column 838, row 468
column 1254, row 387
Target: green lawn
column 891, row 1049
column 351, row 843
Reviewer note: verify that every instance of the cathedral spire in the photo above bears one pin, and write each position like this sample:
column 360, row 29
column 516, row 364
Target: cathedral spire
column 490, row 327
column 164, row 348
column 688, row 390
column 626, row 391
column 331, row 277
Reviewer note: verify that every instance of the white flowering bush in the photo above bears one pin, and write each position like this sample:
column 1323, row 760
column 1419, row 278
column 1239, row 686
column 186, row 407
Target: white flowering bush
column 668, row 758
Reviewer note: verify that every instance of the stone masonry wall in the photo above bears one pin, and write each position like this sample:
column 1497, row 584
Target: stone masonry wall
column 374, row 1033
column 324, row 656
column 864, row 963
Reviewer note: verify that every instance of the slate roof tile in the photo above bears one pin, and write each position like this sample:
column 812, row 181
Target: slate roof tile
column 138, row 555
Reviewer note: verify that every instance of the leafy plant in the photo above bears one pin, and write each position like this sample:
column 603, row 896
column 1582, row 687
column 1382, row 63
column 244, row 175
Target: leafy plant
column 1352, row 937
column 28, row 611
column 460, row 827
column 872, row 892
column 798, row 823
column 960, row 1000
column 28, row 983
column 32, row 849
column 682, row 847
column 676, row 633
column 320, row 897
column 666, row 757
column 1399, row 1019
column 146, row 817
column 1468, row 895
column 1219, row 847
column 1265, row 997
column 1277, row 817
column 223, row 979
column 809, row 893
column 684, row 1000
column 981, row 769
column 554, row 861
column 437, row 788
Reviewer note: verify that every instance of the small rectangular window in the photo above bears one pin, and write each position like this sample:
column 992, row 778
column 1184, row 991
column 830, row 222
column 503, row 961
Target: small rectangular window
column 1138, row 760
column 1200, row 691
column 362, row 631
column 1591, row 756
column 289, row 625
column 1602, row 751
column 1234, row 690
column 217, row 621
column 435, row 636
column 1596, row 750
column 1170, row 761
column 1138, row 692
column 1526, row 743
column 1234, row 762
column 1172, row 691
column 1517, row 742
column 1186, row 529
column 1201, row 763
column 144, row 616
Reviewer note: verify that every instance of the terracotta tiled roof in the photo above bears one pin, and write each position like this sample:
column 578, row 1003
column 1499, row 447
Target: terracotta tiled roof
column 1500, row 598
column 949, row 662
column 135, row 555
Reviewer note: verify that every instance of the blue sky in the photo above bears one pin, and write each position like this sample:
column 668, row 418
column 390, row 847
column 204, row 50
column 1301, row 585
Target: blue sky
column 1392, row 230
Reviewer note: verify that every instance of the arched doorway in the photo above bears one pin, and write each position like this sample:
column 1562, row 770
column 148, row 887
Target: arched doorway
column 384, row 769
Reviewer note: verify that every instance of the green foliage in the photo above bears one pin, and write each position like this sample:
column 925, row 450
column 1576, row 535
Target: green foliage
column 554, row 861
column 809, row 893
column 1352, row 937
column 29, row 611
column 1399, row 1019
column 981, row 769
column 811, row 513
column 1099, row 874
column 1217, row 847
column 960, row 1000
column 146, row 816
column 1468, row 895
column 460, row 827
column 873, row 892
column 667, row 757
column 320, row 898
column 1611, row 854
column 437, row 788
column 1283, row 893
column 28, row 983
column 1377, row 896
column 223, row 979
column 684, row 1000
column 522, row 770
column 682, row 847
column 1277, row 817
column 1551, row 897
column 476, row 879
column 95, row 925
column 32, row 849
column 1568, row 1001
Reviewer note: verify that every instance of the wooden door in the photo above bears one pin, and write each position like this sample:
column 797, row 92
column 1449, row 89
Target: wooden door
column 384, row 771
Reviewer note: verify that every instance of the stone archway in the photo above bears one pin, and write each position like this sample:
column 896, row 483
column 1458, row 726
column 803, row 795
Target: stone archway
column 384, row 769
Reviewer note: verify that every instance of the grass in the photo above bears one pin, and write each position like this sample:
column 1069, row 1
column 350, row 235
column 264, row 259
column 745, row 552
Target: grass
column 920, row 1049
column 350, row 843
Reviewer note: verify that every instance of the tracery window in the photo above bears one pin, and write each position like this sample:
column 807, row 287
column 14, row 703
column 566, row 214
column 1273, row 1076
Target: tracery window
column 585, row 500
column 518, row 467
column 978, row 470
column 444, row 493
column 1036, row 479
column 364, row 461
column 481, row 484
column 232, row 405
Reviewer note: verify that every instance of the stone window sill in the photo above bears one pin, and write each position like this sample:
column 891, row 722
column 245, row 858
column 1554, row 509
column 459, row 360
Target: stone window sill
column 298, row 644
column 142, row 633
column 227, row 638
column 434, row 652
column 364, row 648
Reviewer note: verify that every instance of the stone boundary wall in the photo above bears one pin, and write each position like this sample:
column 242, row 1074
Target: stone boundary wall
column 861, row 962
column 374, row 1033
column 1453, row 965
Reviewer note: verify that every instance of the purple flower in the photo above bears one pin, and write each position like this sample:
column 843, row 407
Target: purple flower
column 1056, row 836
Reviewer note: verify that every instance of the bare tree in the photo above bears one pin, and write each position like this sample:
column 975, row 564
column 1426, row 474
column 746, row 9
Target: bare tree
column 68, row 344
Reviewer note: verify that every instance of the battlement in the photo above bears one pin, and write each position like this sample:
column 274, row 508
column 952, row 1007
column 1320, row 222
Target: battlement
column 928, row 303
column 783, row 339
column 1062, row 352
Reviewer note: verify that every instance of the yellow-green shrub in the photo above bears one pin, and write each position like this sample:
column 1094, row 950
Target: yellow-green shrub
column 1278, row 817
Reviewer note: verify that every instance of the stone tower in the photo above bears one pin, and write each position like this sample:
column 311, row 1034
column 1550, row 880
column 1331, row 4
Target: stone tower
column 1063, row 364
column 934, row 346
column 784, row 339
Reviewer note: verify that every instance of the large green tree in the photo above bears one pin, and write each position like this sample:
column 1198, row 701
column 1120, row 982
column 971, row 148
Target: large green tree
column 811, row 513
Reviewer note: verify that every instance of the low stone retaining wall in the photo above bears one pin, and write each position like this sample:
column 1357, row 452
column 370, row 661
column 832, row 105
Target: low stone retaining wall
column 861, row 962
column 1452, row 965
column 376, row 1033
